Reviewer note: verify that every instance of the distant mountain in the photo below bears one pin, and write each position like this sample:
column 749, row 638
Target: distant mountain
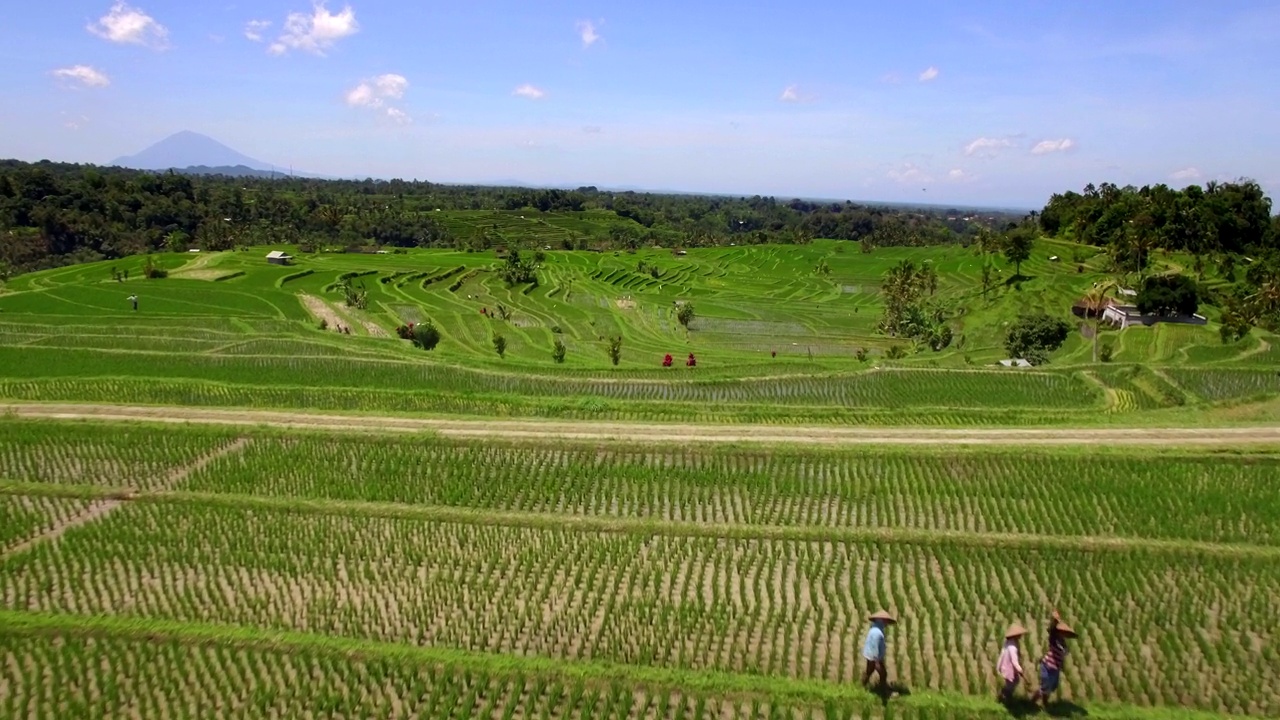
column 191, row 152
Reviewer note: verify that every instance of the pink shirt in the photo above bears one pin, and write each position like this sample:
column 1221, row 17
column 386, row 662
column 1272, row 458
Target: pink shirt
column 1009, row 666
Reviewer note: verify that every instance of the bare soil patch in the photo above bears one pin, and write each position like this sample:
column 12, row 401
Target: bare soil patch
column 321, row 310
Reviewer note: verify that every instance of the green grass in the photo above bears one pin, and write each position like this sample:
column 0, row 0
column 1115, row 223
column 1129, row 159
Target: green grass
column 68, row 334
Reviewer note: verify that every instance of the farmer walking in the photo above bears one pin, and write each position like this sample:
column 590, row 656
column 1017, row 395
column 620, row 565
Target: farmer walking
column 134, row 299
column 1054, row 657
column 873, row 650
column 1009, row 666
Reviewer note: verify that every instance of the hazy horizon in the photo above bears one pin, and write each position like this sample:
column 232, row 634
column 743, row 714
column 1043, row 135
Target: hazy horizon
column 944, row 104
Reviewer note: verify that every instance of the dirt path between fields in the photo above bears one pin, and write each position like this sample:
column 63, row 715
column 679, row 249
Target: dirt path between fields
column 655, row 433
column 321, row 310
column 102, row 508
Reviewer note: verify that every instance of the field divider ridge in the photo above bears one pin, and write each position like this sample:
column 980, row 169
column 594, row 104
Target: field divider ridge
column 644, row 526
column 588, row 671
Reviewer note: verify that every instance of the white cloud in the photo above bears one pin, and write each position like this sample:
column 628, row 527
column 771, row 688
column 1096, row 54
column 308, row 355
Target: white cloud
column 254, row 28
column 82, row 76
column 129, row 25
column 529, row 91
column 399, row 116
column 1045, row 147
column 910, row 173
column 790, row 94
column 74, row 122
column 986, row 147
column 378, row 93
column 589, row 33
column 957, row 174
column 317, row 32
column 929, row 75
column 1187, row 174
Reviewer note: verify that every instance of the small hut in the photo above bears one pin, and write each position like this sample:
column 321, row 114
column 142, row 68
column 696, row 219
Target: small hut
column 277, row 257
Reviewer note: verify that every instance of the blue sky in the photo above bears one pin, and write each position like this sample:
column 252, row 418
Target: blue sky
column 988, row 103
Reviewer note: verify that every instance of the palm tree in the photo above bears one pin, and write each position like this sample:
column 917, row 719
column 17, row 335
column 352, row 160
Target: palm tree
column 1096, row 302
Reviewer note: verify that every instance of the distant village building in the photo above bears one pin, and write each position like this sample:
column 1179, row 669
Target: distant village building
column 276, row 257
column 1016, row 362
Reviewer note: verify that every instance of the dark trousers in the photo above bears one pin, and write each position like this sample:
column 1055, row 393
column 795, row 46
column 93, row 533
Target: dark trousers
column 877, row 667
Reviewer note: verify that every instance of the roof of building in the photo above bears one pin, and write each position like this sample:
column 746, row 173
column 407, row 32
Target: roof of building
column 277, row 254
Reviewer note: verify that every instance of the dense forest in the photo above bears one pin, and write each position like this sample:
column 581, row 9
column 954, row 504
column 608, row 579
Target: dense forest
column 1226, row 225
column 53, row 214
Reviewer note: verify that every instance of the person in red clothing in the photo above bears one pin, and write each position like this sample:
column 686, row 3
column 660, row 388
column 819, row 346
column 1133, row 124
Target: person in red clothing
column 1054, row 658
column 666, row 361
column 692, row 361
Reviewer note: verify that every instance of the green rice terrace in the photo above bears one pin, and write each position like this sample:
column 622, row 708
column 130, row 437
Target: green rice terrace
column 200, row 571
column 785, row 334
column 250, row 497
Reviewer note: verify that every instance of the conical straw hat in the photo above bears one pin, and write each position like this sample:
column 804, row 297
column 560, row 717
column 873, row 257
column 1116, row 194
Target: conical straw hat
column 1065, row 629
column 882, row 615
column 1015, row 630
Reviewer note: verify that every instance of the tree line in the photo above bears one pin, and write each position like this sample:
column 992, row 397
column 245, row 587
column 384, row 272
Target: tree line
column 1224, row 225
column 56, row 213
column 1209, row 222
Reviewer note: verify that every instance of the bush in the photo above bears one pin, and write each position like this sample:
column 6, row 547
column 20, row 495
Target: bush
column 152, row 271
column 518, row 271
column 500, row 345
column 684, row 315
column 426, row 335
column 861, row 354
column 615, row 349
column 1034, row 336
column 896, row 352
column 1106, row 352
column 557, row 351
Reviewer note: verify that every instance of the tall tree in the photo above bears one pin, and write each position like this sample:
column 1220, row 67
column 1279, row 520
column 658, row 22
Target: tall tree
column 1017, row 247
column 1096, row 303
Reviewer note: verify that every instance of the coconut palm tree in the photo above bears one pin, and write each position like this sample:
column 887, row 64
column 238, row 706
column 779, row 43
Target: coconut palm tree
column 1096, row 303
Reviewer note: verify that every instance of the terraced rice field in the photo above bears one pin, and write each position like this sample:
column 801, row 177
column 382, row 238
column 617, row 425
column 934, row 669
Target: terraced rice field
column 248, row 573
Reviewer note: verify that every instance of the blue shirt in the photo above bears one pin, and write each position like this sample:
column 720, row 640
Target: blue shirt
column 873, row 649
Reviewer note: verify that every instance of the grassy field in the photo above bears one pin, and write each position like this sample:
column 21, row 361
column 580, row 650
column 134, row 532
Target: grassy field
column 202, row 571
column 229, row 329
column 190, row 571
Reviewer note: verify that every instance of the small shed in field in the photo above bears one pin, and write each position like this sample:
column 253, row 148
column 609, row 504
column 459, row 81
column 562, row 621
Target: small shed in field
column 277, row 257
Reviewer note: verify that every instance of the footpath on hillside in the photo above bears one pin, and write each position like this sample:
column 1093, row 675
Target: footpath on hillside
column 653, row 432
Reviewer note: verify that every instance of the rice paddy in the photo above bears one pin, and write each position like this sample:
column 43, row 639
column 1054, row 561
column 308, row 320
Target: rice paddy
column 235, row 572
column 173, row 570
